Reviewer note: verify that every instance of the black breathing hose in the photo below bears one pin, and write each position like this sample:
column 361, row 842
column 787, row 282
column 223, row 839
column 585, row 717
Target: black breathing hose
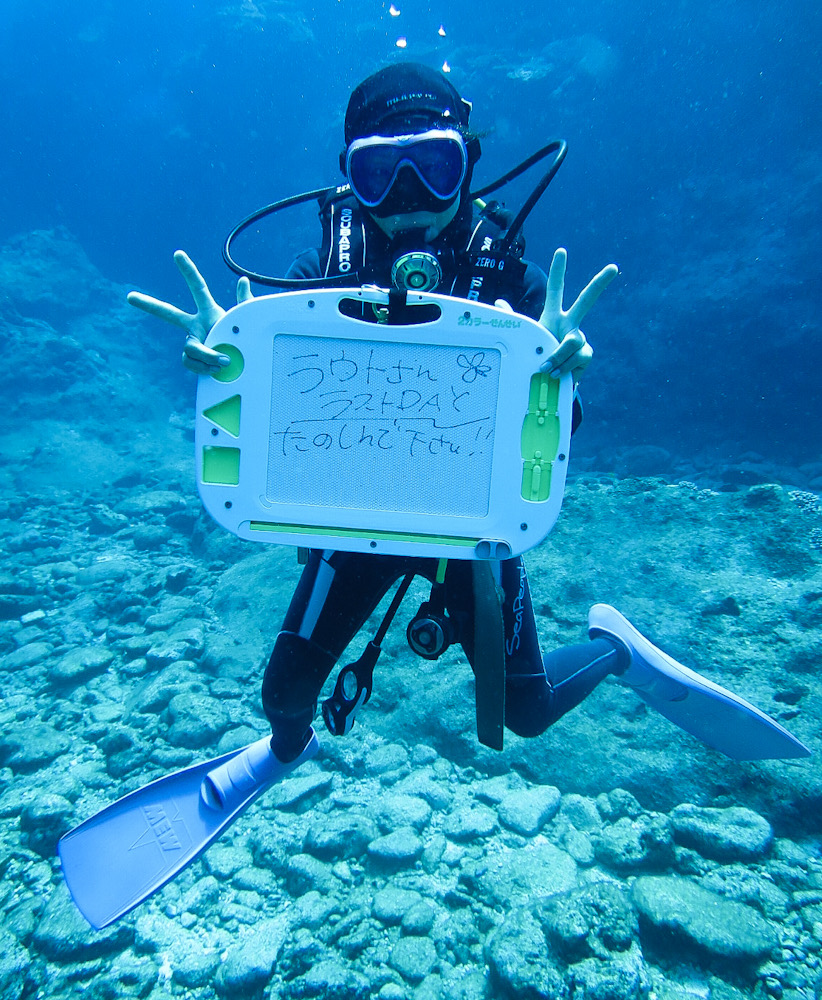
column 558, row 146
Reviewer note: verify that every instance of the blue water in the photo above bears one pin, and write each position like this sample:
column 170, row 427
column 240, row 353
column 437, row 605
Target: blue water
column 694, row 164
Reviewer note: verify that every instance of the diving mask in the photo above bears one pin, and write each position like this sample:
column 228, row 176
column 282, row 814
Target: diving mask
column 438, row 157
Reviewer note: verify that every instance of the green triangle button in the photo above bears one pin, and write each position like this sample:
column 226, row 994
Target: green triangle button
column 226, row 415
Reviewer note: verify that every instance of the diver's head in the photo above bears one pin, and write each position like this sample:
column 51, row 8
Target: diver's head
column 409, row 156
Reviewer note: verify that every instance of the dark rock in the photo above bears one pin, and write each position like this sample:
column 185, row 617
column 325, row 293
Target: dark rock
column 419, row 919
column 519, row 960
column 249, row 963
column 153, row 502
column 506, row 878
column 616, row 804
column 223, row 860
column 313, row 910
column 104, row 521
column 589, row 922
column 24, row 747
column 195, row 965
column 155, row 933
column 579, row 844
column 306, row 873
column 155, row 693
column 339, row 835
column 527, row 811
column 180, row 644
column 746, row 886
column 106, row 571
column 44, row 821
column 395, row 811
column 198, row 720
column 466, row 825
column 414, row 958
column 80, row 664
column 726, row 606
column 620, row 976
column 493, row 790
column 30, row 539
column 125, row 750
column 16, row 972
column 764, row 497
column 381, row 760
column 26, row 656
column 581, row 812
column 150, row 536
column 397, row 849
column 390, row 905
column 423, row 785
column 299, row 791
column 636, row 844
column 329, row 980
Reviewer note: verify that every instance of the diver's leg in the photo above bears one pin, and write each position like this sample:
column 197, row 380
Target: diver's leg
column 336, row 594
column 713, row 714
column 538, row 690
column 572, row 673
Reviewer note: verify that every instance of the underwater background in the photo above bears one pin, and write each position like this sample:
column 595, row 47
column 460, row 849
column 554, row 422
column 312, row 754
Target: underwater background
column 614, row 856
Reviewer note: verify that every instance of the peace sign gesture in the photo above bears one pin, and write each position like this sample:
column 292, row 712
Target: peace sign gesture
column 196, row 356
column 574, row 353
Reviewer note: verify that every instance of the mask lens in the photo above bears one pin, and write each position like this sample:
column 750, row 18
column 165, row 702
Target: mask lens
column 371, row 171
column 438, row 160
column 441, row 166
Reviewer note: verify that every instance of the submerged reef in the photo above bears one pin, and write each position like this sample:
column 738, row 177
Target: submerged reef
column 614, row 857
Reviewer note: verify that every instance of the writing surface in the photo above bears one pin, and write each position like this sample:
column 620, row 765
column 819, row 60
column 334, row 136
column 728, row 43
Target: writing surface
column 389, row 426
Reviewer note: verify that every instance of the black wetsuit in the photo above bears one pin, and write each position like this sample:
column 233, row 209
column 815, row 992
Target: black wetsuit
column 338, row 591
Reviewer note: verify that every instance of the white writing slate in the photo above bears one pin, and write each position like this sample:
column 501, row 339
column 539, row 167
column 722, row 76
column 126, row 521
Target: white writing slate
column 430, row 438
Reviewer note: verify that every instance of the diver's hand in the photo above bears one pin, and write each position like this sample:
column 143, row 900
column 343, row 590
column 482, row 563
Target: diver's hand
column 196, row 356
column 574, row 353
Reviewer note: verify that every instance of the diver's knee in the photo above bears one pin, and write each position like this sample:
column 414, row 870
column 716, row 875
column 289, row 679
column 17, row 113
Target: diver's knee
column 529, row 708
column 296, row 672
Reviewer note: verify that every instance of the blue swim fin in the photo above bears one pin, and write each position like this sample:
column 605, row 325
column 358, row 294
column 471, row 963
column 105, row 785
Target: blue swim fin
column 118, row 858
column 713, row 714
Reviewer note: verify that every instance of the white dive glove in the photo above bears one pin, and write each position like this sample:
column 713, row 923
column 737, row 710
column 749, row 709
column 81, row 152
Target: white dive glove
column 196, row 356
column 574, row 353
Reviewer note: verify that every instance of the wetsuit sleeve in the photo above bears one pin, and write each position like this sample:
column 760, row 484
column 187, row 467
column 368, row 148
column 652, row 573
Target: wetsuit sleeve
column 305, row 266
column 534, row 283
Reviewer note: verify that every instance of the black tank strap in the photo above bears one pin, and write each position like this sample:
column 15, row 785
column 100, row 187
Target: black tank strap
column 489, row 656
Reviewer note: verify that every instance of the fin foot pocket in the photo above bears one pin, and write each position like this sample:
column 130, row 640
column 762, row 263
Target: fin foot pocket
column 252, row 768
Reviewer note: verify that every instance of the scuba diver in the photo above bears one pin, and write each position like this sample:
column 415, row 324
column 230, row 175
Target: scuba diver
column 406, row 219
column 409, row 158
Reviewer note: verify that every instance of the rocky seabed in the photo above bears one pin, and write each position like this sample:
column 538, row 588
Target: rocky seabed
column 382, row 868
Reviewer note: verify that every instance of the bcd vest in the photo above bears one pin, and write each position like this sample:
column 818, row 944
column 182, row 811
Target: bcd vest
column 479, row 271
